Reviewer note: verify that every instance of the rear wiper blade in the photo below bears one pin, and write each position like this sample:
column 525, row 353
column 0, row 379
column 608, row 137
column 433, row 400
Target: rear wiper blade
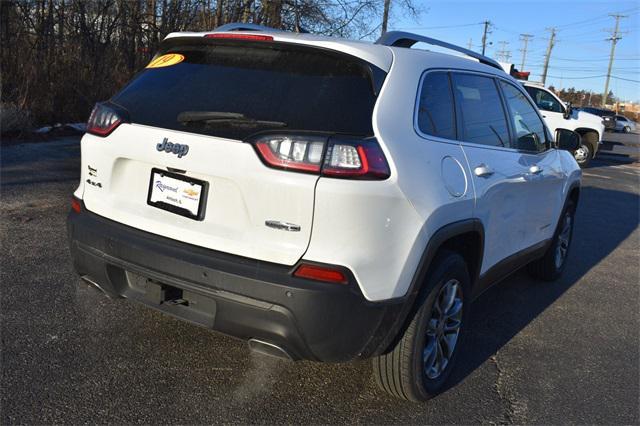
column 212, row 117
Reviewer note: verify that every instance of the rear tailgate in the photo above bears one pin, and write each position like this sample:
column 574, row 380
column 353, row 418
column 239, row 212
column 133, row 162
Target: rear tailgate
column 308, row 89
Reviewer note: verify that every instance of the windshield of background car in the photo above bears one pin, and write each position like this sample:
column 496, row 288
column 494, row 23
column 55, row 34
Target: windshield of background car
column 304, row 88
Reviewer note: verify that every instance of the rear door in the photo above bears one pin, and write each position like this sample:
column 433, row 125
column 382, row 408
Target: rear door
column 262, row 87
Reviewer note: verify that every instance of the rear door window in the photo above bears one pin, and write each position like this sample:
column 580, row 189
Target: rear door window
column 436, row 114
column 481, row 117
column 264, row 85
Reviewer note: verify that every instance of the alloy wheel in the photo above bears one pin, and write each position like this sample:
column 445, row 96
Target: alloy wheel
column 582, row 153
column 564, row 238
column 443, row 329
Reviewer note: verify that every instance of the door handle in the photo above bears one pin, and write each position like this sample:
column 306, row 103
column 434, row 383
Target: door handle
column 544, row 116
column 535, row 169
column 483, row 171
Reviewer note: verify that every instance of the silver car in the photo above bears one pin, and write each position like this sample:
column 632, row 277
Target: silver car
column 623, row 124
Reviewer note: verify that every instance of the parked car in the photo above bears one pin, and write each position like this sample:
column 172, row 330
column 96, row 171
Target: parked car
column 557, row 114
column 608, row 116
column 623, row 124
column 322, row 199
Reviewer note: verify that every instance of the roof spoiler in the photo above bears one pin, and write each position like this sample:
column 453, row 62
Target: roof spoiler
column 404, row 39
column 244, row 26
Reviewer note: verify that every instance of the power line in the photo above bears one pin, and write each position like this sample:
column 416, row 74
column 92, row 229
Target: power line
column 595, row 60
column 625, row 79
column 590, row 20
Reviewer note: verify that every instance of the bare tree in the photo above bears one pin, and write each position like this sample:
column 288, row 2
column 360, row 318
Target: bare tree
column 61, row 56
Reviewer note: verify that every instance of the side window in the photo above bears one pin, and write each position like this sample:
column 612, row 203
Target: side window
column 529, row 128
column 481, row 117
column 544, row 100
column 435, row 107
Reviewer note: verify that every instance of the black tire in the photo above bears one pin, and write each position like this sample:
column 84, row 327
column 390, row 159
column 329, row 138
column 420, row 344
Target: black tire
column 548, row 268
column 627, row 129
column 401, row 372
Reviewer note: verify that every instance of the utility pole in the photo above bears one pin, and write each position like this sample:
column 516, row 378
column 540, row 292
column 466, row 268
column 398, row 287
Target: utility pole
column 525, row 40
column 614, row 40
column 503, row 54
column 470, row 45
column 552, row 40
column 486, row 31
column 385, row 15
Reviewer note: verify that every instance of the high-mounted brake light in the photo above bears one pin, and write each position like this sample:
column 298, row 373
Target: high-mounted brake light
column 250, row 37
column 321, row 273
column 338, row 157
column 104, row 119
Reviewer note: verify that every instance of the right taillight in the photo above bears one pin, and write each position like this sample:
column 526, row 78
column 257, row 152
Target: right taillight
column 335, row 156
column 355, row 159
column 104, row 119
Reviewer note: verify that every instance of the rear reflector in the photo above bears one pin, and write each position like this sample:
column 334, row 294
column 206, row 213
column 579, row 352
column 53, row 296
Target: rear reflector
column 321, row 273
column 75, row 205
column 250, row 37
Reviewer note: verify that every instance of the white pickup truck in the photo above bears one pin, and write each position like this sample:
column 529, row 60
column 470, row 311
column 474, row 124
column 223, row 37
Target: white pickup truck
column 557, row 114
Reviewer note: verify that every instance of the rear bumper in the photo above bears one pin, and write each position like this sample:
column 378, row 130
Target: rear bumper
column 237, row 296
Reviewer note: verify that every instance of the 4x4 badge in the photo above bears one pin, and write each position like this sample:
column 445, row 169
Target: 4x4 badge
column 179, row 149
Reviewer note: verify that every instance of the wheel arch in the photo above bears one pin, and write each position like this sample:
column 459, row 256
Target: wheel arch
column 573, row 193
column 584, row 131
column 465, row 237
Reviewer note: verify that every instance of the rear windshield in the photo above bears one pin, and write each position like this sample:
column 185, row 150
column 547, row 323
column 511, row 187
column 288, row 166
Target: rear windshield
column 265, row 85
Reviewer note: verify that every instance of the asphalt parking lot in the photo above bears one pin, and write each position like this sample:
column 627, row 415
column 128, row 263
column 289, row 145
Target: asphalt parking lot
column 563, row 352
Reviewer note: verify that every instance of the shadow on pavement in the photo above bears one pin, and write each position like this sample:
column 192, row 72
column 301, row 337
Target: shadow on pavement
column 508, row 307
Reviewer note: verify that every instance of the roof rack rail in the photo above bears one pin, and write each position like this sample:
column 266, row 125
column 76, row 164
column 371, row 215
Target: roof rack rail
column 404, row 39
column 244, row 26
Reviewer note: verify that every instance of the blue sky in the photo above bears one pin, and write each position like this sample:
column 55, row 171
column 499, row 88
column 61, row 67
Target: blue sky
column 580, row 56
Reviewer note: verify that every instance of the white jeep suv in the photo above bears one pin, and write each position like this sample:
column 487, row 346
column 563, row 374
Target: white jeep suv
column 322, row 199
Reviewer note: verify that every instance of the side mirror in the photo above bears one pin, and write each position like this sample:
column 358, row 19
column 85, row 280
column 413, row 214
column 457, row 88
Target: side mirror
column 567, row 139
column 568, row 110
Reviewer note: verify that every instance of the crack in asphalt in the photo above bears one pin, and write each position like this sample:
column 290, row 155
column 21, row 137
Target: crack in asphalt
column 515, row 409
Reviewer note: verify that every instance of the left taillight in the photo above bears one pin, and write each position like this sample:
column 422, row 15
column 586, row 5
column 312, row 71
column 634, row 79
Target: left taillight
column 104, row 119
column 335, row 156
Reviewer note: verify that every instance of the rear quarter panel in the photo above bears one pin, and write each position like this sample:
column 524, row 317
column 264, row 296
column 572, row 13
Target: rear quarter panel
column 380, row 229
